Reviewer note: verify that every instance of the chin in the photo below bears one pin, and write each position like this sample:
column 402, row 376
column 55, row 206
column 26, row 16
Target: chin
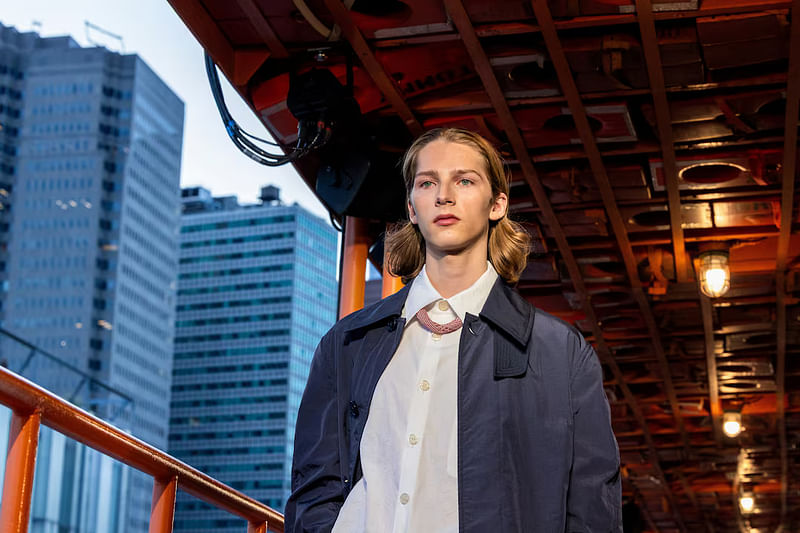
column 447, row 246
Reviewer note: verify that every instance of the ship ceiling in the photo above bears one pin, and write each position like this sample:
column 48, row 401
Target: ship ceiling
column 640, row 135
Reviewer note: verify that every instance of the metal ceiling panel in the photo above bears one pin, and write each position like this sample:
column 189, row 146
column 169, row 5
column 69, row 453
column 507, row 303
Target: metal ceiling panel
column 719, row 91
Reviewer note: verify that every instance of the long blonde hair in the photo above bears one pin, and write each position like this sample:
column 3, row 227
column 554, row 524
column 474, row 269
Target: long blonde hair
column 508, row 245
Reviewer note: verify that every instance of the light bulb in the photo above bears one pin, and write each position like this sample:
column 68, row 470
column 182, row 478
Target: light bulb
column 732, row 428
column 715, row 280
column 714, row 273
column 732, row 423
column 747, row 502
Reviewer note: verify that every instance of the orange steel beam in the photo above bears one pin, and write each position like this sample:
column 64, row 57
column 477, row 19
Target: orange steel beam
column 570, row 90
column 464, row 26
column 240, row 64
column 687, row 489
column 787, row 195
column 205, row 30
column 647, row 28
column 646, row 147
column 22, row 395
column 707, row 8
column 376, row 71
column 262, row 27
column 391, row 284
column 162, row 509
column 354, row 266
column 475, row 104
column 23, row 440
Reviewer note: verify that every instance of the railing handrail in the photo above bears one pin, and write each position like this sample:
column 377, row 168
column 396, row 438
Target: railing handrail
column 25, row 398
column 72, row 368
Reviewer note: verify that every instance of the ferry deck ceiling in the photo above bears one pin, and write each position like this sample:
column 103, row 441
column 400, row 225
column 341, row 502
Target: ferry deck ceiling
column 643, row 137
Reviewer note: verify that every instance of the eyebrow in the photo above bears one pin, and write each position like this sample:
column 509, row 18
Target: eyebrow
column 457, row 172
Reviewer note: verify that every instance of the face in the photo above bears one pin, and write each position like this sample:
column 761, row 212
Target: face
column 451, row 198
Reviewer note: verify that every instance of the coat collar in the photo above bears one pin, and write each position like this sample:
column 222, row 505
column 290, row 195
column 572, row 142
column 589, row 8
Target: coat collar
column 509, row 311
column 391, row 306
column 505, row 309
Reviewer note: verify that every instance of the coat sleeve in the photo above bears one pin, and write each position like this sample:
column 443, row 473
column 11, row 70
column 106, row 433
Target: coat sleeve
column 317, row 489
column 594, row 499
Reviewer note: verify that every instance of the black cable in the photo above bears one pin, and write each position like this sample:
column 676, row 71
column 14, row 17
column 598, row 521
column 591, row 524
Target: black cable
column 232, row 128
column 240, row 138
column 260, row 139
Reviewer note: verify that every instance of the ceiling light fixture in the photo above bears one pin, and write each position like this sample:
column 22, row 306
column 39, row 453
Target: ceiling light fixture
column 714, row 273
column 747, row 502
column 732, row 423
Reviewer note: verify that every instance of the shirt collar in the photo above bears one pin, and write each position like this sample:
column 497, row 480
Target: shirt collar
column 470, row 300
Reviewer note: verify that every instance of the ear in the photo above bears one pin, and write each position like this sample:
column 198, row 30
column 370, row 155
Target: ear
column 499, row 207
column 412, row 214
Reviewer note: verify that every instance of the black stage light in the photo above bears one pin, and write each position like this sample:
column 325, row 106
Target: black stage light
column 354, row 177
column 362, row 182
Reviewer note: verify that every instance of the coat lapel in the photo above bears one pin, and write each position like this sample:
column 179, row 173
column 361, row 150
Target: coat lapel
column 511, row 316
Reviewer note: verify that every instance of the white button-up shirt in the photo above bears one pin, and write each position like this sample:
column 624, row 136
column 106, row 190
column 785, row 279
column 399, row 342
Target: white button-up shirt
column 409, row 450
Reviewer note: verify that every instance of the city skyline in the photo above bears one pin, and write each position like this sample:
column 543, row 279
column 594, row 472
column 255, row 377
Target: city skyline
column 90, row 219
column 152, row 30
column 91, row 157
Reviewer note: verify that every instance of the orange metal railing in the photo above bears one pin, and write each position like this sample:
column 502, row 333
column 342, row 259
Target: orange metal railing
column 33, row 406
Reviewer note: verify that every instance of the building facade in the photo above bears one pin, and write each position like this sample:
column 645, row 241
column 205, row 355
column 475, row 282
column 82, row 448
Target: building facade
column 90, row 165
column 257, row 290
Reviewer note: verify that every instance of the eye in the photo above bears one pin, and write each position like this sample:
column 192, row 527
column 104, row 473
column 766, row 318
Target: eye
column 424, row 184
column 465, row 181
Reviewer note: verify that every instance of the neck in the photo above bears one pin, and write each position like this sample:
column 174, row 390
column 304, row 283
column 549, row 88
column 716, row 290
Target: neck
column 452, row 273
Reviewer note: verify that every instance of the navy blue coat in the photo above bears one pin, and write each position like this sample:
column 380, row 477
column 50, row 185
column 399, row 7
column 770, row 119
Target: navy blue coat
column 536, row 452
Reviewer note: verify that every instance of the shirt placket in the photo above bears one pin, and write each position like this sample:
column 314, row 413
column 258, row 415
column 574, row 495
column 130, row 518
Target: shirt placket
column 418, row 415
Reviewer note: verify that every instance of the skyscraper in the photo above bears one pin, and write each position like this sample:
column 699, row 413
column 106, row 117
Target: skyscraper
column 257, row 290
column 91, row 150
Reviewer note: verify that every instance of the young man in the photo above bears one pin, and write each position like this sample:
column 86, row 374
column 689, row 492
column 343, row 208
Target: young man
column 454, row 405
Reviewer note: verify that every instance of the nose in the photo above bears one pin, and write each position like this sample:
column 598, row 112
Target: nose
column 444, row 196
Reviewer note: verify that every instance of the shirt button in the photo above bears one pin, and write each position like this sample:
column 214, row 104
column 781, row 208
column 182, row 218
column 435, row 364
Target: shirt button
column 436, row 336
column 424, row 386
column 443, row 305
column 404, row 498
column 412, row 439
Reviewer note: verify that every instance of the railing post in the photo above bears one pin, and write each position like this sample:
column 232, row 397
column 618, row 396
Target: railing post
column 354, row 266
column 23, row 439
column 162, row 509
column 33, row 406
column 257, row 527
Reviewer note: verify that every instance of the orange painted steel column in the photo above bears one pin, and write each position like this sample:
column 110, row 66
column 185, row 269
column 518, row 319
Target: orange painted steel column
column 257, row 527
column 23, row 439
column 162, row 508
column 391, row 284
column 354, row 266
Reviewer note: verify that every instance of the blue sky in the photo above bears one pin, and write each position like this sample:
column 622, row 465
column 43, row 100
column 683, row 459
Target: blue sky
column 151, row 29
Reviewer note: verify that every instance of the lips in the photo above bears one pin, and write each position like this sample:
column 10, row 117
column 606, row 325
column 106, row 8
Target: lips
column 445, row 220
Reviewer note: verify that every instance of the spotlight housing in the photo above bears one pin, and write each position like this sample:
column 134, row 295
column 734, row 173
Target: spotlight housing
column 714, row 273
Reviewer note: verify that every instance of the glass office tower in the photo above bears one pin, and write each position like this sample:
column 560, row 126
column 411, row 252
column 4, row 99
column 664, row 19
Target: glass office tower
column 256, row 291
column 89, row 182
